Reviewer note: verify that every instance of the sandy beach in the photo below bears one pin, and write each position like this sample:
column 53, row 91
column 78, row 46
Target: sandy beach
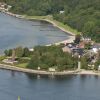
column 69, row 40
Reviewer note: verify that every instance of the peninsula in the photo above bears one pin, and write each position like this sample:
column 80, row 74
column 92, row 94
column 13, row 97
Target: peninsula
column 76, row 48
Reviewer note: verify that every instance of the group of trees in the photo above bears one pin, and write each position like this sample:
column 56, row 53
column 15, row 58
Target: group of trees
column 82, row 15
column 52, row 56
column 19, row 52
column 44, row 57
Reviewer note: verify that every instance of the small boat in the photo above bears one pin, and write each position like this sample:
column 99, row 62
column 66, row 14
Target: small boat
column 18, row 97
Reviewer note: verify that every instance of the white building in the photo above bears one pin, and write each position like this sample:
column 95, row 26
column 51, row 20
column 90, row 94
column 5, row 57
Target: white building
column 61, row 12
column 96, row 47
column 99, row 67
column 52, row 69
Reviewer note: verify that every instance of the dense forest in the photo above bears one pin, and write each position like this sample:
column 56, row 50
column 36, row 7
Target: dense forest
column 52, row 56
column 83, row 15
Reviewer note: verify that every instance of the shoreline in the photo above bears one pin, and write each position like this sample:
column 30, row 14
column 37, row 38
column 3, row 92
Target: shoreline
column 40, row 72
column 53, row 23
column 37, row 72
column 71, row 36
column 40, row 19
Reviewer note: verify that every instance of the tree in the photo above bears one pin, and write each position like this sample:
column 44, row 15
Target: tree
column 77, row 39
column 8, row 52
column 88, row 46
column 82, row 15
column 26, row 52
column 84, row 62
column 19, row 51
column 88, row 27
column 33, row 63
column 50, row 56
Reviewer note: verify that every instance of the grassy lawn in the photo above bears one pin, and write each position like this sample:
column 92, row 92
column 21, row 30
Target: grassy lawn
column 22, row 65
column 50, row 19
column 2, row 58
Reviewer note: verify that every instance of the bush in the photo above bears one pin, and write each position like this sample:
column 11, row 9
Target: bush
column 23, row 60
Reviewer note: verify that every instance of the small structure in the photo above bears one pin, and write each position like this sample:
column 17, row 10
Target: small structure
column 12, row 59
column 9, row 61
column 78, row 51
column 38, row 68
column 9, row 7
column 66, row 49
column 31, row 49
column 99, row 67
column 61, row 12
column 52, row 69
column 86, row 39
column 4, row 7
column 71, row 45
column 96, row 47
column 82, row 45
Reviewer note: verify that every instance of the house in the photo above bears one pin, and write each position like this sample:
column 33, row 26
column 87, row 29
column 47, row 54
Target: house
column 71, row 45
column 86, row 39
column 4, row 7
column 99, row 67
column 61, row 12
column 9, row 7
column 52, row 69
column 9, row 61
column 31, row 49
column 82, row 44
column 78, row 51
column 95, row 47
column 66, row 49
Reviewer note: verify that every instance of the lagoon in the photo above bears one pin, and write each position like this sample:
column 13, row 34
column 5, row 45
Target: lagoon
column 19, row 32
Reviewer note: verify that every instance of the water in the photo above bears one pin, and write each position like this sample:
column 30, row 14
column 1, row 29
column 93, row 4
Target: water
column 29, row 87
column 19, row 32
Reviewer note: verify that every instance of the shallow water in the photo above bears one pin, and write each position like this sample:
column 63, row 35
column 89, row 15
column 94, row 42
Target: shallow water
column 19, row 32
column 29, row 87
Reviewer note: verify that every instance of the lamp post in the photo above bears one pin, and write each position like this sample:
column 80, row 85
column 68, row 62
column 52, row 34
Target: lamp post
column 79, row 63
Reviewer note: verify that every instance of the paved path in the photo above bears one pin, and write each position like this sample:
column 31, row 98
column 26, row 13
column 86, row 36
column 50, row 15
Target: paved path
column 14, row 68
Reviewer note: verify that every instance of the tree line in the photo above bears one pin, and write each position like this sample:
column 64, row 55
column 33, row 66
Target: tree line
column 82, row 15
